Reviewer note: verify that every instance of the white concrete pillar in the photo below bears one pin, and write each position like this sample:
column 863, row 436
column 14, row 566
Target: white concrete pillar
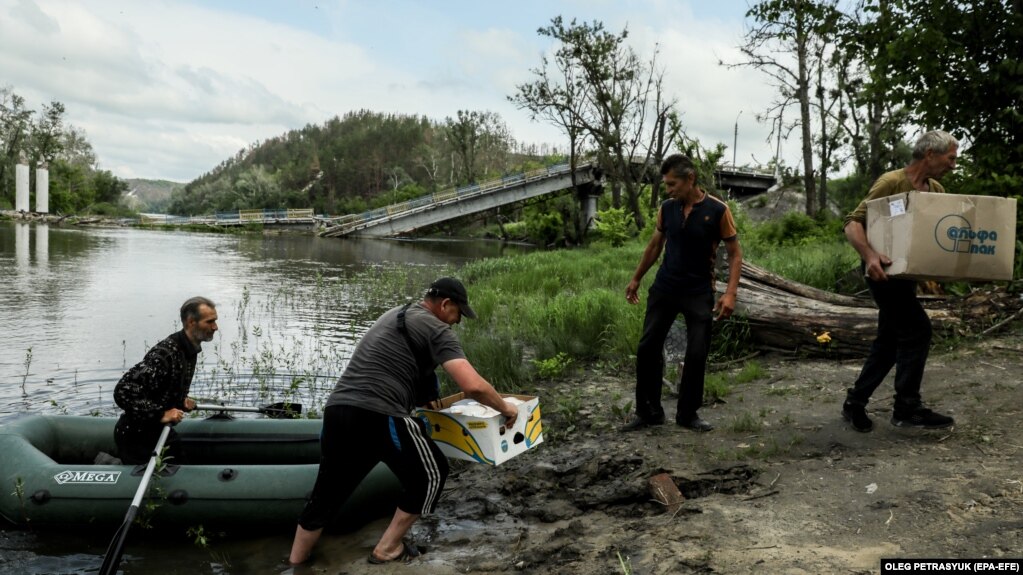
column 42, row 190
column 21, row 187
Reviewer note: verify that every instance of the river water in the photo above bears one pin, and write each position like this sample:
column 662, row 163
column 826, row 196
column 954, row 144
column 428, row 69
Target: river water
column 80, row 306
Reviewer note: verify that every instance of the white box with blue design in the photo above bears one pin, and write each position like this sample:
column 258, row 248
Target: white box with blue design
column 465, row 429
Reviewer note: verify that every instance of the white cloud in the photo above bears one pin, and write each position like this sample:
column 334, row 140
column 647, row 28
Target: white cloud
column 171, row 89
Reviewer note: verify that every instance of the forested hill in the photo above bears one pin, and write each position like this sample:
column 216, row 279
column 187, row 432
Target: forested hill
column 150, row 195
column 357, row 161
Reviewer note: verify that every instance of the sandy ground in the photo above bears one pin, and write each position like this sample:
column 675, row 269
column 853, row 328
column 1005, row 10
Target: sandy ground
column 781, row 486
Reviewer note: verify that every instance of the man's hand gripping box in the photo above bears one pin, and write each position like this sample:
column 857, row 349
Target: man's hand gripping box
column 464, row 429
column 932, row 236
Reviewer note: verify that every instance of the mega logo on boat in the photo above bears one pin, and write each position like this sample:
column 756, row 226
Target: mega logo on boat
column 87, row 477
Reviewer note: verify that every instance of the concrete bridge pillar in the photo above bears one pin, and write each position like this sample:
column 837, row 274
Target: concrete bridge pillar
column 589, row 205
column 42, row 189
column 21, row 187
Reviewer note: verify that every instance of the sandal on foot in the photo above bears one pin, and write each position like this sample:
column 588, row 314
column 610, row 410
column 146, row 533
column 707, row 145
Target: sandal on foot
column 408, row 552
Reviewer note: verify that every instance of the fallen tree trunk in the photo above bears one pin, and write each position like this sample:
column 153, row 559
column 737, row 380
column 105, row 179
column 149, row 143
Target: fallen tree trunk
column 790, row 316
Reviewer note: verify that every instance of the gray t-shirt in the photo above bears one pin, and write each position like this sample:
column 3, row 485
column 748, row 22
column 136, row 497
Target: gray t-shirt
column 382, row 374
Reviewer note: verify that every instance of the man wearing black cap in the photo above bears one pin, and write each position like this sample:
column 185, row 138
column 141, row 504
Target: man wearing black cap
column 389, row 374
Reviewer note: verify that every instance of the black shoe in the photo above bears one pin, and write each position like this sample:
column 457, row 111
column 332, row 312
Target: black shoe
column 637, row 423
column 694, row 423
column 922, row 417
column 856, row 415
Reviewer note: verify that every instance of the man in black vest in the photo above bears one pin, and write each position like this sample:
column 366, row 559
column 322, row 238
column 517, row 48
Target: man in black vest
column 690, row 226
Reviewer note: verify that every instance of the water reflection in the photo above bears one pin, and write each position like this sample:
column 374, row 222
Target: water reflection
column 42, row 245
column 21, row 244
column 90, row 303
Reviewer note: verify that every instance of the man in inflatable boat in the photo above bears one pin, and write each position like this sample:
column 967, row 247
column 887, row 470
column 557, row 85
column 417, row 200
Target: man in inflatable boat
column 154, row 392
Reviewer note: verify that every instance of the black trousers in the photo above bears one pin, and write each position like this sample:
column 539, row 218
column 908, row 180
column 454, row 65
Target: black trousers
column 661, row 311
column 135, row 442
column 354, row 440
column 903, row 342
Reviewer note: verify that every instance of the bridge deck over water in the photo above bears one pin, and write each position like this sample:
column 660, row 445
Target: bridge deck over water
column 406, row 217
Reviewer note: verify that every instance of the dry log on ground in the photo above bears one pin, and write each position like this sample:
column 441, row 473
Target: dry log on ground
column 792, row 316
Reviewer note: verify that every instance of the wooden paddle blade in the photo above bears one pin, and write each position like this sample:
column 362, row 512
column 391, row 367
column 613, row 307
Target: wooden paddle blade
column 282, row 410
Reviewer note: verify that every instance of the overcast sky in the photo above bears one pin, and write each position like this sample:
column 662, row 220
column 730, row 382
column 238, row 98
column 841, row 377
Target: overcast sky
column 168, row 90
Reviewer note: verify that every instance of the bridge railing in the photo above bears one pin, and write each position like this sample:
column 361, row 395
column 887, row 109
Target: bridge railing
column 234, row 217
column 352, row 222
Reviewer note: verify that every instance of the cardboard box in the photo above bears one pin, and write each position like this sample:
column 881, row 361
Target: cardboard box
column 483, row 439
column 933, row 236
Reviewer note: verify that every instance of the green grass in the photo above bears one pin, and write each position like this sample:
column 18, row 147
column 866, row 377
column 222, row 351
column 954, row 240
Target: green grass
column 571, row 304
column 751, row 371
column 820, row 264
column 716, row 386
column 567, row 304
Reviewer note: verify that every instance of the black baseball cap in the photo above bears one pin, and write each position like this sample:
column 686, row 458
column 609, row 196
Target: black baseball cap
column 453, row 290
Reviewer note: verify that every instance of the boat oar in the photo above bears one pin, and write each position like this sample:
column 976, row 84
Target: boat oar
column 113, row 557
column 274, row 411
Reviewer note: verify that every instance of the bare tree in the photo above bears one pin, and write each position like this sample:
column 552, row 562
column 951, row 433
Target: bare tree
column 666, row 129
column 601, row 96
column 785, row 42
column 555, row 97
column 428, row 157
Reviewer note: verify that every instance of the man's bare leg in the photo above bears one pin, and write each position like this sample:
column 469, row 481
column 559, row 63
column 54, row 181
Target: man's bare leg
column 303, row 544
column 390, row 545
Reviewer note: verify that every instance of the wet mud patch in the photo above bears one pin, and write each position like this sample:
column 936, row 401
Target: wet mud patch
column 579, row 482
column 736, row 480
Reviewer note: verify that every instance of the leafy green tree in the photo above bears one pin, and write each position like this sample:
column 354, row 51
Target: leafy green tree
column 959, row 66
column 76, row 148
column 71, row 188
column 551, row 222
column 109, row 188
column 478, row 138
column 75, row 181
column 545, row 228
column 872, row 125
column 15, row 123
column 48, row 132
column 613, row 226
column 257, row 188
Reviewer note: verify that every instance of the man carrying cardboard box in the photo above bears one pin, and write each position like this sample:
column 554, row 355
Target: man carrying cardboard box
column 903, row 328
column 368, row 417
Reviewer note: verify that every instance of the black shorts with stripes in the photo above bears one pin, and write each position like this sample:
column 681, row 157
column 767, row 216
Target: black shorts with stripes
column 354, row 441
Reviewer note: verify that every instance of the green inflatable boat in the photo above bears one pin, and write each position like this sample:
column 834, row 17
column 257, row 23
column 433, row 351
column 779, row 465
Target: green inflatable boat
column 242, row 473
